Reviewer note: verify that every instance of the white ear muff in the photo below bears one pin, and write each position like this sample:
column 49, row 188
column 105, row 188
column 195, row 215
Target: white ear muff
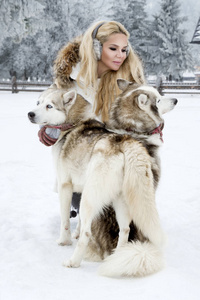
column 97, row 49
column 97, row 46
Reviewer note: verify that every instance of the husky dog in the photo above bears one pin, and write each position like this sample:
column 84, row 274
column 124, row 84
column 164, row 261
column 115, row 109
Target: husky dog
column 127, row 116
column 110, row 169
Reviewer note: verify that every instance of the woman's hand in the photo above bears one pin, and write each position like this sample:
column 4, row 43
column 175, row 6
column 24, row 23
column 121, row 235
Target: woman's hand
column 46, row 139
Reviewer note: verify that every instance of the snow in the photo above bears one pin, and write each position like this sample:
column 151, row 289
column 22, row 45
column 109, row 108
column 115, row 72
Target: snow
column 31, row 261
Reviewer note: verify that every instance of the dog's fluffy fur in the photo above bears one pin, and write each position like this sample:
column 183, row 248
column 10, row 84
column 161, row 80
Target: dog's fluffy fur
column 110, row 169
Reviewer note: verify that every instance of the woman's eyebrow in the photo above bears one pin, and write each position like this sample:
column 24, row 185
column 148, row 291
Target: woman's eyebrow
column 118, row 45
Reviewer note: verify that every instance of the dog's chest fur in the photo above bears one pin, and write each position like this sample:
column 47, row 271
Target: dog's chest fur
column 76, row 147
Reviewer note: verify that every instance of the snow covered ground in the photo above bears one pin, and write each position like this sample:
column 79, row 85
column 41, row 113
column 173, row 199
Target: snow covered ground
column 31, row 261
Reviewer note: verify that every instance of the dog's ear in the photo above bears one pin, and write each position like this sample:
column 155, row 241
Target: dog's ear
column 123, row 84
column 142, row 100
column 69, row 97
column 53, row 86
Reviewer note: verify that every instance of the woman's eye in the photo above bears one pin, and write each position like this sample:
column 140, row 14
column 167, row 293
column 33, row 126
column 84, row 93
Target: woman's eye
column 49, row 106
column 115, row 49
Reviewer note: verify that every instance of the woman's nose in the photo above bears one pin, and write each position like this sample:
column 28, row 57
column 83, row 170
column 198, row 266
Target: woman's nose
column 119, row 53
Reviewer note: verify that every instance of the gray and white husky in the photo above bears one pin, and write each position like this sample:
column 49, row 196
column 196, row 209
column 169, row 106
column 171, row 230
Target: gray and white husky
column 114, row 165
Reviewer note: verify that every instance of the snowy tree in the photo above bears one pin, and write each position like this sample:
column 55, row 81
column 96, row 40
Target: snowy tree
column 32, row 32
column 18, row 18
column 169, row 52
column 132, row 14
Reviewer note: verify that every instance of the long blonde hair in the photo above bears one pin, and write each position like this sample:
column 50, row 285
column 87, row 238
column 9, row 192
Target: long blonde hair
column 107, row 89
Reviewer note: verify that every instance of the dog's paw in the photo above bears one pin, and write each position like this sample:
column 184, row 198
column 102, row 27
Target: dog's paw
column 64, row 242
column 75, row 235
column 70, row 264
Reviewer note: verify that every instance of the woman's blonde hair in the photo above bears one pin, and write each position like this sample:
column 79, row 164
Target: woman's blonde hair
column 107, row 89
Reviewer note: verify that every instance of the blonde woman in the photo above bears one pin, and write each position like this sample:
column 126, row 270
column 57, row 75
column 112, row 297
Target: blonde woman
column 91, row 64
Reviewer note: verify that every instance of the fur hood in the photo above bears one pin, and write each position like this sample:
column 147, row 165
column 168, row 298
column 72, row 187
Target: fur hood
column 67, row 58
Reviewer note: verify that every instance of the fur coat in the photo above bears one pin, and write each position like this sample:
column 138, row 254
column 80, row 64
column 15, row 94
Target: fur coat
column 67, row 58
column 66, row 69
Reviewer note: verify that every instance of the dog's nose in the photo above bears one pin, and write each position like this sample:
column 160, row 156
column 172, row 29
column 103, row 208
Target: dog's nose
column 175, row 101
column 31, row 115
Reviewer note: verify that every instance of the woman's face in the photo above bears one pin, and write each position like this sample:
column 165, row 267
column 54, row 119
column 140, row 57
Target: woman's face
column 113, row 53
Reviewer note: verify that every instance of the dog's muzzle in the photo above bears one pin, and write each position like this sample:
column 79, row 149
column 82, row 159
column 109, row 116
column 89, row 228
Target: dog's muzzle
column 31, row 116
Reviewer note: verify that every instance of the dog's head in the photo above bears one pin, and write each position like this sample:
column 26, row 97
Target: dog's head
column 57, row 106
column 139, row 107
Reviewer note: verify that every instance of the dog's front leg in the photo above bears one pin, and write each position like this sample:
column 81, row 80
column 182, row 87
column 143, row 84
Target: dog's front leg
column 87, row 214
column 76, row 233
column 65, row 195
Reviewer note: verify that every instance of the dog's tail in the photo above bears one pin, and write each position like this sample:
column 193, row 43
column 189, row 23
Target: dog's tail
column 139, row 193
column 133, row 259
column 138, row 258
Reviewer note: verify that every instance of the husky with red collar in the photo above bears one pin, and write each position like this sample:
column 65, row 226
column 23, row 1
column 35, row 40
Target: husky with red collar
column 116, row 166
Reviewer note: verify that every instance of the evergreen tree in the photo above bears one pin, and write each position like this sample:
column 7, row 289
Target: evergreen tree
column 32, row 32
column 133, row 16
column 169, row 52
column 18, row 18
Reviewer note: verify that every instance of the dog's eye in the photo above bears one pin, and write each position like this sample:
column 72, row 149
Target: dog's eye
column 38, row 102
column 49, row 106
